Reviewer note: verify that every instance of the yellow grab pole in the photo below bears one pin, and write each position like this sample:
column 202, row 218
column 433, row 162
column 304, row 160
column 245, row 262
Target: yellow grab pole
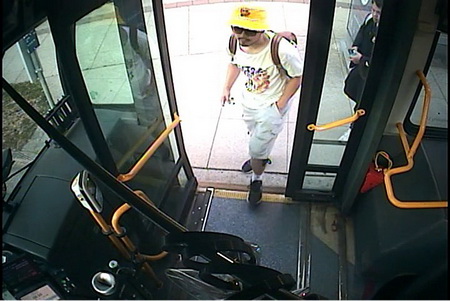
column 150, row 151
column 353, row 118
column 132, row 248
column 409, row 153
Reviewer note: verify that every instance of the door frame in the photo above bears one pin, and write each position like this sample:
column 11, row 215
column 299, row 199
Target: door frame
column 395, row 35
column 321, row 17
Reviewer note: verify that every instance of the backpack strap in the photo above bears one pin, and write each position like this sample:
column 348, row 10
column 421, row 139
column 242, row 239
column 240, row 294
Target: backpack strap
column 232, row 44
column 275, row 44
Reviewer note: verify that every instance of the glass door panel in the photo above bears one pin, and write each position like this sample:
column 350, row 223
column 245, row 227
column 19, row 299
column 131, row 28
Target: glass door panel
column 317, row 164
column 121, row 66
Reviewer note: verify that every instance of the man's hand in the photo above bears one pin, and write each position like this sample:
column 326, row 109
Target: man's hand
column 232, row 75
column 226, row 98
column 356, row 57
column 292, row 85
column 280, row 105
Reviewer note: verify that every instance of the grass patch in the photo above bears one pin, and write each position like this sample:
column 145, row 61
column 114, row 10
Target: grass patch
column 17, row 126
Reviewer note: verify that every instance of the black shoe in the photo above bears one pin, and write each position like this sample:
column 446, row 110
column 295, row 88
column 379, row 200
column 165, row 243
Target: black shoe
column 255, row 193
column 247, row 167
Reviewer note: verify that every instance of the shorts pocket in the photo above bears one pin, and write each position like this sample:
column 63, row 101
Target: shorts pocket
column 275, row 108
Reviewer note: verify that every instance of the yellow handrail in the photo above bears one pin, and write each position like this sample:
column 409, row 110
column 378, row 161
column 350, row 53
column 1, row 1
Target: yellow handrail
column 353, row 118
column 126, row 240
column 150, row 151
column 410, row 152
column 141, row 141
column 107, row 230
column 129, row 244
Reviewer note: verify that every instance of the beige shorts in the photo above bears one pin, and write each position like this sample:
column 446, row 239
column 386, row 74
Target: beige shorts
column 263, row 125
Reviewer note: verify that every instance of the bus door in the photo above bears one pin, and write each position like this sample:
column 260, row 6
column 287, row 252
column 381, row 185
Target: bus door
column 128, row 98
column 324, row 165
column 325, row 112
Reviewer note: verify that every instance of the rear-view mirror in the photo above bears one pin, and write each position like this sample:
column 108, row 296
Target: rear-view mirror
column 87, row 192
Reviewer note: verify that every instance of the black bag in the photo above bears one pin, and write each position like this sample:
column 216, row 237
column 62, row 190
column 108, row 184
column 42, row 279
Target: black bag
column 355, row 81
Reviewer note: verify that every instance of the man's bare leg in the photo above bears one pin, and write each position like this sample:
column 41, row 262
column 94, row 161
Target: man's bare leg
column 258, row 166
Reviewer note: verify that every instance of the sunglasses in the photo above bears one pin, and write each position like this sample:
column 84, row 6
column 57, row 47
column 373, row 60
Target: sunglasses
column 247, row 32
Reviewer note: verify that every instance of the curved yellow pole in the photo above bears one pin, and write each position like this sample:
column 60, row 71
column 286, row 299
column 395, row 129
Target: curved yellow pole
column 353, row 118
column 144, row 197
column 107, row 229
column 147, row 200
column 131, row 247
column 150, row 151
column 410, row 152
column 126, row 240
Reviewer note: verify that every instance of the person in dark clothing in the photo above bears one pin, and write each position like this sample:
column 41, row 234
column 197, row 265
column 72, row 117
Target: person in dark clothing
column 359, row 54
column 360, row 58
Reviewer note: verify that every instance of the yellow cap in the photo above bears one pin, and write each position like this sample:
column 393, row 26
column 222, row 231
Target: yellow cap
column 254, row 18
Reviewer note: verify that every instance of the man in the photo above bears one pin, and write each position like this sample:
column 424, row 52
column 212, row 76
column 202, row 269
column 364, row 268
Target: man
column 268, row 91
column 360, row 57
column 138, row 63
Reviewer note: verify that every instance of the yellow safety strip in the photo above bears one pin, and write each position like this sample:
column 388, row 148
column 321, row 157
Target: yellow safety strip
column 242, row 195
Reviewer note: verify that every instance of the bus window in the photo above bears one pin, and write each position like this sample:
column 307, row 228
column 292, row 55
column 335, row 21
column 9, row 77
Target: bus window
column 117, row 63
column 437, row 76
column 33, row 75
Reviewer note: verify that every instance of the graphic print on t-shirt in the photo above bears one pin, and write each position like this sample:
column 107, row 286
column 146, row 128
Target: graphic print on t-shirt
column 257, row 79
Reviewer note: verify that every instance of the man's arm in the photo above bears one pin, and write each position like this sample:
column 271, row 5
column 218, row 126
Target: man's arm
column 230, row 79
column 292, row 62
column 291, row 87
column 362, row 38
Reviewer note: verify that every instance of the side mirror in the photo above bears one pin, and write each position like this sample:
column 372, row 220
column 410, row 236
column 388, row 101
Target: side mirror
column 87, row 192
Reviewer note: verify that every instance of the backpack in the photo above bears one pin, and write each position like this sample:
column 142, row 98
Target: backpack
column 274, row 45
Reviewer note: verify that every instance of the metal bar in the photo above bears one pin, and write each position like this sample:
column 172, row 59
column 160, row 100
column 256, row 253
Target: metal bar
column 321, row 168
column 431, row 132
column 424, row 116
column 57, row 107
column 403, row 138
column 41, row 78
column 304, row 252
column 328, row 142
column 141, row 140
column 130, row 245
column 106, row 229
column 331, row 125
column 150, row 151
column 410, row 152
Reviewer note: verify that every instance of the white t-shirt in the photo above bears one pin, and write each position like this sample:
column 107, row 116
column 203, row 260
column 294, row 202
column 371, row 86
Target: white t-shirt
column 138, row 70
column 264, row 83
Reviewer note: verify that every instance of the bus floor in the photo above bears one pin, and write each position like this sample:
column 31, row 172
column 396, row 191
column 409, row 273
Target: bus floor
column 310, row 241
